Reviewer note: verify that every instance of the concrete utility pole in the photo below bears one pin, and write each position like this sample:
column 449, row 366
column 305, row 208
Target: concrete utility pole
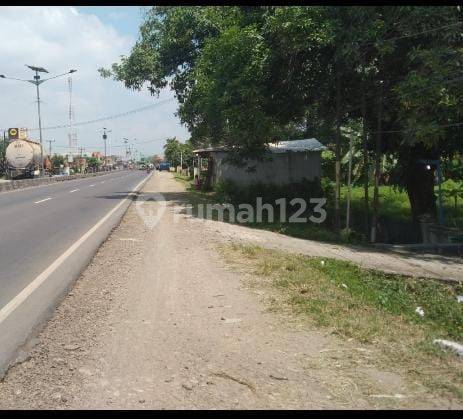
column 37, row 81
column 105, row 137
column 50, row 141
column 126, row 140
column 4, row 154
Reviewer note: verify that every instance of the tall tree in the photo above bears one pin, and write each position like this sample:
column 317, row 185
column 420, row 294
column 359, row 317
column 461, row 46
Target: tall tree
column 176, row 152
column 243, row 75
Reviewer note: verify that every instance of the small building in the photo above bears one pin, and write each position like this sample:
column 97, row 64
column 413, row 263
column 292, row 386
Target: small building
column 286, row 162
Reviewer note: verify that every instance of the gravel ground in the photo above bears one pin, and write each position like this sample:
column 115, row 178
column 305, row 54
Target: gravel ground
column 157, row 320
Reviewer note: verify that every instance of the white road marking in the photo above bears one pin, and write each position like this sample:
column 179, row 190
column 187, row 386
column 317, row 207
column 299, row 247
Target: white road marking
column 74, row 190
column 103, row 181
column 91, row 185
column 42, row 200
column 20, row 298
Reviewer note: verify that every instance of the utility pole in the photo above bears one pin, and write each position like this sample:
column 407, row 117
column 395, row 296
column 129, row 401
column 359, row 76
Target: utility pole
column 50, row 141
column 37, row 79
column 105, row 137
column 126, row 140
column 4, row 154
column 72, row 135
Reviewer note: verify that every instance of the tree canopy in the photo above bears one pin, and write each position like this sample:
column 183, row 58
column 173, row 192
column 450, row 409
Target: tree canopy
column 246, row 76
column 176, row 152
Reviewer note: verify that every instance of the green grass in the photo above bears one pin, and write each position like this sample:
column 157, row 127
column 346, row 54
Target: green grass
column 370, row 307
column 395, row 205
column 394, row 211
column 307, row 231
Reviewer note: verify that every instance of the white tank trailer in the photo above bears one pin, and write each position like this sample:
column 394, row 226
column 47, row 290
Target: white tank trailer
column 23, row 159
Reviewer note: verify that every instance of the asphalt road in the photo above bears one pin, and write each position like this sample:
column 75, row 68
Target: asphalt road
column 40, row 223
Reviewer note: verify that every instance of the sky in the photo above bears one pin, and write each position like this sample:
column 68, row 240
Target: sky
column 60, row 38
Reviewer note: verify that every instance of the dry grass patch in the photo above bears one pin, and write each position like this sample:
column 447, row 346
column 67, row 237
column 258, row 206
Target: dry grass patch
column 370, row 307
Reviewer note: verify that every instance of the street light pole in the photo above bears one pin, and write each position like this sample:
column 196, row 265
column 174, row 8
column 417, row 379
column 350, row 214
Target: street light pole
column 37, row 82
column 105, row 137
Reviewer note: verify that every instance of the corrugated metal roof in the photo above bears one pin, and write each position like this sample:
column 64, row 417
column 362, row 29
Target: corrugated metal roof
column 309, row 144
column 205, row 150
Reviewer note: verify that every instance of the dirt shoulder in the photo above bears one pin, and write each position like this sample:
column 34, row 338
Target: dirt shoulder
column 159, row 320
column 422, row 265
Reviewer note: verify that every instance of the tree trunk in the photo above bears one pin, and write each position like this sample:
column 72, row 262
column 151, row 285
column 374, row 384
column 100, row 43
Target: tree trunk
column 419, row 183
column 337, row 190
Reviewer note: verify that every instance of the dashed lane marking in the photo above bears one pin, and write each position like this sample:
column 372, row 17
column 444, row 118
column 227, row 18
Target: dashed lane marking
column 42, row 200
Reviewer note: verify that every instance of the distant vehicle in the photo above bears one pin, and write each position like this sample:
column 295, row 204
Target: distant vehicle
column 23, row 159
column 164, row 166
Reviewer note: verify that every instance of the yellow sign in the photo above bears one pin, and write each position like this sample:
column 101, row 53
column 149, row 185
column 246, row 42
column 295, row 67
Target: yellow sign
column 13, row 133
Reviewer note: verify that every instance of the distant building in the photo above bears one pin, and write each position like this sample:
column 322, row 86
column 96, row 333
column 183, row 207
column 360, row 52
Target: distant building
column 286, row 162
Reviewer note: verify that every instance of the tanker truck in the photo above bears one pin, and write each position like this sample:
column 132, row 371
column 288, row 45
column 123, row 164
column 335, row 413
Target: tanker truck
column 23, row 159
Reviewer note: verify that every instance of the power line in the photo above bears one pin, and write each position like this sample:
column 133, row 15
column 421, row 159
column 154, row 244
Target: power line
column 417, row 33
column 93, row 121
column 396, row 95
column 412, row 35
column 457, row 124
column 120, row 145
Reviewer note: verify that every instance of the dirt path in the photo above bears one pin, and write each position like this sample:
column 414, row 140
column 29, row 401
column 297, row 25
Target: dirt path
column 421, row 265
column 158, row 321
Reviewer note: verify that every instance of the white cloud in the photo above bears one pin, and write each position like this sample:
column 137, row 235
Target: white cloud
column 61, row 38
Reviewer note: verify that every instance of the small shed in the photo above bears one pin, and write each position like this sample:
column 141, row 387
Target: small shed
column 286, row 162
